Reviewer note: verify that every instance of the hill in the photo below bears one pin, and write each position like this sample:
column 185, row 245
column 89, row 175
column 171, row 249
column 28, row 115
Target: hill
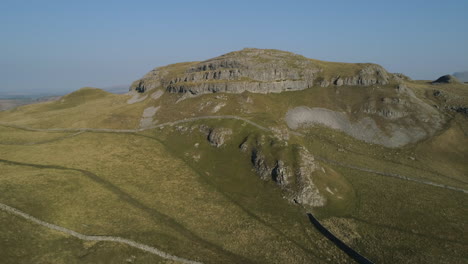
column 259, row 71
column 11, row 103
column 462, row 76
column 220, row 160
column 446, row 79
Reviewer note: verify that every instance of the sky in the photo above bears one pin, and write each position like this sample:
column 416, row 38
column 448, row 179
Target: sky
column 60, row 46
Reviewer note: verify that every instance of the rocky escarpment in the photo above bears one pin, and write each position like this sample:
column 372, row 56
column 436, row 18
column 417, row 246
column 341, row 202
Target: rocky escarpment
column 297, row 178
column 370, row 74
column 259, row 71
column 308, row 192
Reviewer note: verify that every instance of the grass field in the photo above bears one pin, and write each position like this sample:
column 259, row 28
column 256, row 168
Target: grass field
column 169, row 188
column 138, row 188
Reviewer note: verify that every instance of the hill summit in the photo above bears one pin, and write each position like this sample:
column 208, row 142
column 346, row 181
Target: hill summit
column 260, row 71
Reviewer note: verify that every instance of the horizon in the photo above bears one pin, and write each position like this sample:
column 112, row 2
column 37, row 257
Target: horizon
column 61, row 47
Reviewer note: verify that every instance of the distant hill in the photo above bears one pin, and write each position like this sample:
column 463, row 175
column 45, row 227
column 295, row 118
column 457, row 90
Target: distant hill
column 462, row 76
column 27, row 95
column 6, row 104
column 446, row 79
column 118, row 89
column 12, row 100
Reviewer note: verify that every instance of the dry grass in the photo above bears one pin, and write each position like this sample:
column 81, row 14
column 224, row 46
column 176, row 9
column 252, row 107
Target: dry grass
column 135, row 187
column 216, row 209
column 86, row 107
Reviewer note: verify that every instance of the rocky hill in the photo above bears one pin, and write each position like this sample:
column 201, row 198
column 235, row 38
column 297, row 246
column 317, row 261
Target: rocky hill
column 446, row 79
column 377, row 108
column 260, row 71
column 209, row 160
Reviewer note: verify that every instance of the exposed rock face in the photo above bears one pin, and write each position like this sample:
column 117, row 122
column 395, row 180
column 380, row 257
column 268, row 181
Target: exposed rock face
column 401, row 77
column 239, row 87
column 387, row 107
column 460, row 109
column 446, row 79
column 295, row 180
column 369, row 75
column 217, row 136
column 260, row 165
column 308, row 193
column 281, row 173
column 257, row 71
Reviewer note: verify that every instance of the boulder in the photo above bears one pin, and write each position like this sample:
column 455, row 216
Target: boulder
column 217, row 136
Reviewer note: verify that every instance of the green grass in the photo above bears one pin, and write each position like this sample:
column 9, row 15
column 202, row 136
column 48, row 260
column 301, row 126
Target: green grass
column 12, row 136
column 87, row 107
column 409, row 222
column 149, row 191
column 153, row 188
column 25, row 242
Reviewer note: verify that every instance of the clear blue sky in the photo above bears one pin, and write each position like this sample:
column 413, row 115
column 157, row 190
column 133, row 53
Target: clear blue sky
column 60, row 46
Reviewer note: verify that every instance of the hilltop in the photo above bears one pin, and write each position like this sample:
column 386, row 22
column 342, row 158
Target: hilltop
column 260, row 71
column 379, row 100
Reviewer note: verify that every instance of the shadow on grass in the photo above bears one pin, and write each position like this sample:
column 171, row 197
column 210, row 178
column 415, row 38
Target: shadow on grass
column 232, row 200
column 340, row 244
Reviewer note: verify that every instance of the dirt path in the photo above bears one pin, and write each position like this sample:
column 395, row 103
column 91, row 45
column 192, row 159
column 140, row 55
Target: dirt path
column 156, row 215
column 187, row 120
column 333, row 162
column 128, row 242
column 105, row 130
column 42, row 142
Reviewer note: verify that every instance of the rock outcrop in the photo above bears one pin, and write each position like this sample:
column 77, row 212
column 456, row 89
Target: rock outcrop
column 297, row 180
column 446, row 79
column 216, row 136
column 260, row 164
column 281, row 173
column 401, row 77
column 308, row 193
column 370, row 74
column 259, row 71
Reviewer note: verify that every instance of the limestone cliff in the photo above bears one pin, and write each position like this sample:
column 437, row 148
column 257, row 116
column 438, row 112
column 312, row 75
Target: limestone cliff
column 259, row 71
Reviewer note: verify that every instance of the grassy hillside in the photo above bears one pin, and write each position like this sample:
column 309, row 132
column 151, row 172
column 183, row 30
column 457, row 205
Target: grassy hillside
column 168, row 187
column 137, row 187
column 87, row 107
